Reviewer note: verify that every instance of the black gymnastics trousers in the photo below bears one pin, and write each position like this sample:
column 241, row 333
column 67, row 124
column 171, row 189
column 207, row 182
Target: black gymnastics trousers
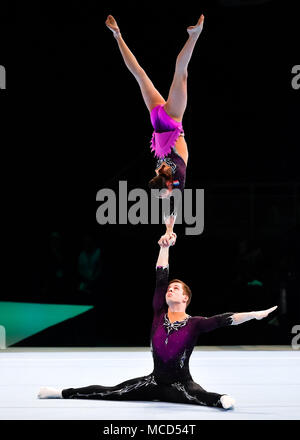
column 146, row 388
column 172, row 345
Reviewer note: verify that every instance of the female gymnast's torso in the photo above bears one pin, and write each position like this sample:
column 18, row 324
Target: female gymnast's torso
column 181, row 149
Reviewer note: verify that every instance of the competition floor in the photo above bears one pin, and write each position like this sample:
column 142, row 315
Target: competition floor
column 265, row 382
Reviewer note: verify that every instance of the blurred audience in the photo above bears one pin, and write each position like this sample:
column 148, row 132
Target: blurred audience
column 57, row 271
column 249, row 264
column 89, row 266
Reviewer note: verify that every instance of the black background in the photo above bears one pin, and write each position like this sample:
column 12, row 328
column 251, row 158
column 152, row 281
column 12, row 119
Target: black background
column 77, row 123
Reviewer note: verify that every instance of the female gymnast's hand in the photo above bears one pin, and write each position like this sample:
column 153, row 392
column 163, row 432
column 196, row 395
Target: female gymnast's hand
column 167, row 240
column 263, row 313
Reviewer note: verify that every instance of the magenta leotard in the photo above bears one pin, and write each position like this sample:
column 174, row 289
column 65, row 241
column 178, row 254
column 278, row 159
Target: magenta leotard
column 166, row 132
column 172, row 344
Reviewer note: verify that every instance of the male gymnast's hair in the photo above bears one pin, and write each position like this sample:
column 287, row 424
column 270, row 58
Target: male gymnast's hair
column 187, row 291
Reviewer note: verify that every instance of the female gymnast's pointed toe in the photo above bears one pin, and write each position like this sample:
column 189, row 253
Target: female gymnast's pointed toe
column 49, row 393
column 227, row 402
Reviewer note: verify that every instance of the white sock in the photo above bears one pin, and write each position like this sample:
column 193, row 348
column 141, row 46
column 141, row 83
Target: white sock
column 49, row 393
column 227, row 401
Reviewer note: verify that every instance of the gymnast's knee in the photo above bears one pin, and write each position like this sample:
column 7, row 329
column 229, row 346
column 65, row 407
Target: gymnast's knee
column 181, row 73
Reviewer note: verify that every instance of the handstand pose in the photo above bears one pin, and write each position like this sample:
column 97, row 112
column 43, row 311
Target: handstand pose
column 174, row 334
column 167, row 142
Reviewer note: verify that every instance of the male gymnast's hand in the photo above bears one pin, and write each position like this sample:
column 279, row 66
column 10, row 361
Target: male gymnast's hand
column 167, row 240
column 239, row 318
column 263, row 313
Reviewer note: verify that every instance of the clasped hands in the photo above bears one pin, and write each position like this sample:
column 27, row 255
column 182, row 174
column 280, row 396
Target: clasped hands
column 169, row 238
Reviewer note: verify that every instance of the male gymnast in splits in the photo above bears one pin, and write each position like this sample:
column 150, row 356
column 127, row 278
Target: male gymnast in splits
column 167, row 143
column 174, row 334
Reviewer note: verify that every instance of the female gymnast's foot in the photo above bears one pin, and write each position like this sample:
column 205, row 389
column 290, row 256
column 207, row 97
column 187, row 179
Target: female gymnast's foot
column 196, row 30
column 49, row 393
column 228, row 402
column 112, row 25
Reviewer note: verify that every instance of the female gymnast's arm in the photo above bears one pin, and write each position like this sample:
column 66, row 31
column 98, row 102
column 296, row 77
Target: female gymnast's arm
column 169, row 238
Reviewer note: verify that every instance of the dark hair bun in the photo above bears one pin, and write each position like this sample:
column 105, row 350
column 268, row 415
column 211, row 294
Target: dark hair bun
column 158, row 182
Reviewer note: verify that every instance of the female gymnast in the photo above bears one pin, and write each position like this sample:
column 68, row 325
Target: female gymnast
column 167, row 143
column 174, row 334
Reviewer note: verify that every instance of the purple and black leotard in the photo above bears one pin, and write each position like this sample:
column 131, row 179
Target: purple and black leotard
column 165, row 134
column 172, row 345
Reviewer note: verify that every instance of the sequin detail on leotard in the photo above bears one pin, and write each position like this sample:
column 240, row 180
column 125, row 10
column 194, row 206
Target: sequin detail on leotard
column 170, row 326
column 148, row 380
column 172, row 343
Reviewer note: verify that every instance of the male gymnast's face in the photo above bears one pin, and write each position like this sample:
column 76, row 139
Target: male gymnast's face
column 175, row 294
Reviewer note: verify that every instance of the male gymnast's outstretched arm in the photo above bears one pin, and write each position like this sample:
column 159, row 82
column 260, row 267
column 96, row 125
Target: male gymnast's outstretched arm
column 213, row 322
column 239, row 318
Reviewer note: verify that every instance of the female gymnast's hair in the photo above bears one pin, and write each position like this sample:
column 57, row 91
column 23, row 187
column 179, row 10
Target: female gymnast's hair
column 158, row 182
column 186, row 289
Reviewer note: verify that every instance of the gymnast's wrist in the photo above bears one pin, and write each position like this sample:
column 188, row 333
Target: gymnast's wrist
column 117, row 34
column 253, row 315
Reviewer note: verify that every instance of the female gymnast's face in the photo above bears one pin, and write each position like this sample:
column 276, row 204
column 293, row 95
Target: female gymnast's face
column 164, row 169
column 175, row 294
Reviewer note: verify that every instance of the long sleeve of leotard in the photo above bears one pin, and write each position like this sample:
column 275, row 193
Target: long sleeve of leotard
column 162, row 281
column 208, row 324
